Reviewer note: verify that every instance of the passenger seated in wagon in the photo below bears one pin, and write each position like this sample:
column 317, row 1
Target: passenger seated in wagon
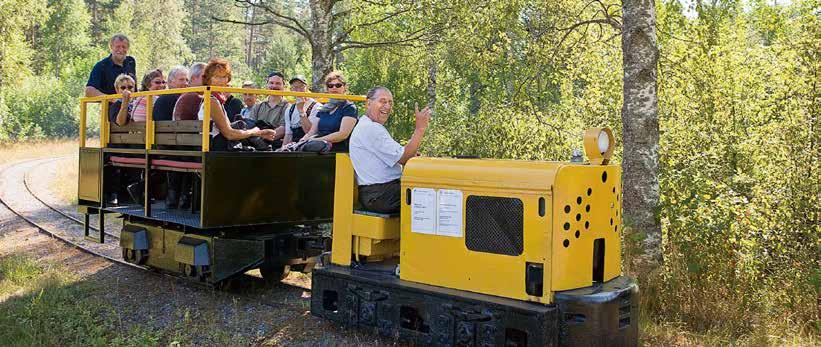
column 178, row 77
column 335, row 119
column 377, row 158
column 218, row 73
column 136, row 108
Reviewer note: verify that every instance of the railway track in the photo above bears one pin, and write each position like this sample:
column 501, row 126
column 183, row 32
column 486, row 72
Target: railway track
column 28, row 186
column 20, row 171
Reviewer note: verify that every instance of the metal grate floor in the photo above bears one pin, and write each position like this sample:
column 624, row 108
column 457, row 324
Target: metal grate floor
column 160, row 213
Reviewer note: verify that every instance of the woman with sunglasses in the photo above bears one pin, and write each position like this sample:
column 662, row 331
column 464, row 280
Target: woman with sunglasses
column 337, row 118
column 153, row 80
column 124, row 85
column 218, row 73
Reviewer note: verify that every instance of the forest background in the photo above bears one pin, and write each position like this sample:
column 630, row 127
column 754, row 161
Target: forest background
column 738, row 111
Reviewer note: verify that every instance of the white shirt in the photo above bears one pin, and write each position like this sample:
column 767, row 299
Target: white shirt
column 201, row 115
column 374, row 153
column 292, row 116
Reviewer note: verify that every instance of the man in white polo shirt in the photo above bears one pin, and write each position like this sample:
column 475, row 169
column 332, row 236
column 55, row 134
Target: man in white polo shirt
column 377, row 158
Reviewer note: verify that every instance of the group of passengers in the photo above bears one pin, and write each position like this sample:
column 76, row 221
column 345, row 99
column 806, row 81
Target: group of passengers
column 377, row 158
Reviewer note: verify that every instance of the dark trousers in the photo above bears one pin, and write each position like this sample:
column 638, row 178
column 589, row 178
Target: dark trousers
column 382, row 197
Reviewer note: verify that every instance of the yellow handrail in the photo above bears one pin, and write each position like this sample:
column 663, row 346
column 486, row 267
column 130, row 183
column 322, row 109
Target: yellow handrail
column 104, row 130
column 82, row 124
column 206, row 121
column 149, row 121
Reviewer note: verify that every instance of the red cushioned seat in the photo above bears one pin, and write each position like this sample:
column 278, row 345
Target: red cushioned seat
column 128, row 160
column 176, row 164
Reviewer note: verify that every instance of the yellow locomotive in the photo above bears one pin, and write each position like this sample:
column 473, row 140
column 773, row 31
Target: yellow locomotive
column 485, row 253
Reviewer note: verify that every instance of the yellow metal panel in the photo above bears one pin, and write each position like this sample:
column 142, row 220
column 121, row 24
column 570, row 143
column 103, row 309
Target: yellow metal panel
column 369, row 247
column 584, row 203
column 446, row 261
column 206, row 121
column 149, row 122
column 83, row 108
column 105, row 128
column 343, row 211
column 375, row 227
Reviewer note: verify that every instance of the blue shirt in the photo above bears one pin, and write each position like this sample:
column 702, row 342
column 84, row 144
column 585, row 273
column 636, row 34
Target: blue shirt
column 105, row 72
column 329, row 122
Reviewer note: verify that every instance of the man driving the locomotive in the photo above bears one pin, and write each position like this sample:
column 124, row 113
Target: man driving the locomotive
column 377, row 158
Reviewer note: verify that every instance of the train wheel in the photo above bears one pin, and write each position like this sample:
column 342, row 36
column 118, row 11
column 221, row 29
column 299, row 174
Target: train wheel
column 274, row 273
column 140, row 256
column 127, row 255
column 190, row 270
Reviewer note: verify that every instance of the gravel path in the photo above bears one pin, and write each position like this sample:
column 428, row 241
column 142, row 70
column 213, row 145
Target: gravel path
column 248, row 312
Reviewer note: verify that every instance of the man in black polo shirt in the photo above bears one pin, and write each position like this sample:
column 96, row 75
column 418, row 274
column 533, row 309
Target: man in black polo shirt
column 106, row 71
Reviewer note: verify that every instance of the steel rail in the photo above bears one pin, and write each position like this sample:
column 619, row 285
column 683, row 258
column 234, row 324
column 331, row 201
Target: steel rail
column 64, row 214
column 53, row 234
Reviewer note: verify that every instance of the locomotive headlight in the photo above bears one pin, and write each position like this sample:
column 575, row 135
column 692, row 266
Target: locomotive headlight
column 598, row 145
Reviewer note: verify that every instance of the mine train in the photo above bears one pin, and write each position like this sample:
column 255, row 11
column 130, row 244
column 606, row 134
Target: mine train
column 483, row 253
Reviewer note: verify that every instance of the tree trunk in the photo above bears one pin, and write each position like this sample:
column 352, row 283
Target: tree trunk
column 322, row 52
column 433, row 68
column 641, row 130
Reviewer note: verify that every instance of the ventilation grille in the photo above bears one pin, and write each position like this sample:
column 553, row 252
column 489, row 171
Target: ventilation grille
column 494, row 225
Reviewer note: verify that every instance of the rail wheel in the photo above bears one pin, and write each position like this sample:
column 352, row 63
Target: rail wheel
column 274, row 273
column 140, row 256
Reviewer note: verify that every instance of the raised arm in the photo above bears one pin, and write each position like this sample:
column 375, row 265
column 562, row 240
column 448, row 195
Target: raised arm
column 122, row 116
column 422, row 119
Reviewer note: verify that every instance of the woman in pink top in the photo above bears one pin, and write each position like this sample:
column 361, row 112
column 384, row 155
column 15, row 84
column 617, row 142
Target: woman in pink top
column 153, row 80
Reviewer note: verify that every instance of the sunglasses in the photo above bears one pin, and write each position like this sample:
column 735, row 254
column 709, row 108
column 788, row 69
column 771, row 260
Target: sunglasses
column 334, row 85
column 126, row 87
column 158, row 82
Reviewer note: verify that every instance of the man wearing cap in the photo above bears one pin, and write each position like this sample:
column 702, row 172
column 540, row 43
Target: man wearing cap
column 299, row 116
column 273, row 109
column 101, row 80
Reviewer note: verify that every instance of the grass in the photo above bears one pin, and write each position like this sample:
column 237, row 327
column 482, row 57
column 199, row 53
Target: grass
column 46, row 305
column 16, row 151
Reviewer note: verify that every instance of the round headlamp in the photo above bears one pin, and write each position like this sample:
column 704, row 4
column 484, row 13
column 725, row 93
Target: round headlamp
column 599, row 145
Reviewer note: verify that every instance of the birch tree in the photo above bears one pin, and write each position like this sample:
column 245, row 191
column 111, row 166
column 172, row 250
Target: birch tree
column 640, row 124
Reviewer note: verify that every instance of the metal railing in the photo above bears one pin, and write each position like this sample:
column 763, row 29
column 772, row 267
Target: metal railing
column 206, row 92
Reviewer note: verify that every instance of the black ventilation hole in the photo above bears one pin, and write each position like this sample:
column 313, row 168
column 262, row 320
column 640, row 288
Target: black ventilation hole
column 577, row 234
column 566, row 243
column 407, row 196
column 617, row 228
column 578, row 217
column 611, row 221
column 604, row 176
column 567, row 209
column 579, row 200
column 617, row 213
column 614, row 190
column 587, row 208
column 567, row 226
column 589, row 191
column 587, row 225
column 541, row 207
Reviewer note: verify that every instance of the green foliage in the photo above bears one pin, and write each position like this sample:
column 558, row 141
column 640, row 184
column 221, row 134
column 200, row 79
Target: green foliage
column 36, row 112
column 738, row 103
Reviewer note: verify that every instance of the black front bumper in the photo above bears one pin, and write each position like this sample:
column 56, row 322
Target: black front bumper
column 605, row 314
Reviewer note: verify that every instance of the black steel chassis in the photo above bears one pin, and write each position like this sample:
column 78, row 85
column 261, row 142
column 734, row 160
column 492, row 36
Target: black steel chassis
column 602, row 315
